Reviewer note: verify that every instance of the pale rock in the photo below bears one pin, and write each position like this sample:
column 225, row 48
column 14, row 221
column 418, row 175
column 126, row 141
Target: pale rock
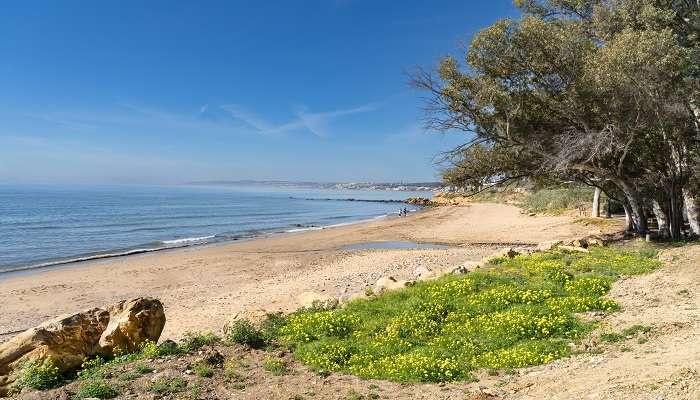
column 68, row 340
column 548, row 245
column 390, row 283
column 574, row 248
column 423, row 273
column 132, row 323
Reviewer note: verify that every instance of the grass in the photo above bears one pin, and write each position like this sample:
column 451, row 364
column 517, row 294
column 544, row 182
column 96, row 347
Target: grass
column 203, row 370
column 517, row 313
column 275, row 367
column 97, row 389
column 168, row 386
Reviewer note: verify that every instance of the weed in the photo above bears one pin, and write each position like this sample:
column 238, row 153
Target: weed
column 129, row 376
column 203, row 369
column 369, row 292
column 195, row 341
column 152, row 350
column 40, row 375
column 635, row 329
column 642, row 340
column 97, row 389
column 168, row 386
column 611, row 337
column 353, row 395
column 275, row 367
column 143, row 369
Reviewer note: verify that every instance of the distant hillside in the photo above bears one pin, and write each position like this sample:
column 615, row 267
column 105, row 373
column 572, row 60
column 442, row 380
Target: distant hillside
column 397, row 186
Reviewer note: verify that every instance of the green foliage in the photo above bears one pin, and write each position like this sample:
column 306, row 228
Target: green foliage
column 611, row 337
column 195, row 341
column 96, row 388
column 151, row 350
column 143, row 369
column 168, row 386
column 39, row 375
column 635, row 329
column 577, row 90
column 516, row 313
column 243, row 332
column 203, row 369
column 275, row 367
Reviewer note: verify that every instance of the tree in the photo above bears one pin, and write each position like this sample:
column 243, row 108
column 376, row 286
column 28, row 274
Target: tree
column 596, row 91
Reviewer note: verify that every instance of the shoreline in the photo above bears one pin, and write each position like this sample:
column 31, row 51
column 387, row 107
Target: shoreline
column 203, row 286
column 87, row 259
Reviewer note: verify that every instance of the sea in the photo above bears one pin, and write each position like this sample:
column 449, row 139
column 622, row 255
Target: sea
column 51, row 225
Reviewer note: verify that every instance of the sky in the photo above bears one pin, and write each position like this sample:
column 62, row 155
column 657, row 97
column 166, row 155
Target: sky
column 165, row 92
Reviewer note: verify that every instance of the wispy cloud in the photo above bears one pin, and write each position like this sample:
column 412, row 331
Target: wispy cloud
column 318, row 123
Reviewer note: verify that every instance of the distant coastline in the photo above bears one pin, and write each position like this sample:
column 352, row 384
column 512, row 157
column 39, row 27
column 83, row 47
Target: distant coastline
column 382, row 186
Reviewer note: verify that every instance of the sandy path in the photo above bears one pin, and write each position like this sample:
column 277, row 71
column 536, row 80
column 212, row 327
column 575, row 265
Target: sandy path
column 202, row 287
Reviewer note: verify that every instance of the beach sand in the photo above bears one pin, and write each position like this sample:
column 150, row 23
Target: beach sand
column 202, row 287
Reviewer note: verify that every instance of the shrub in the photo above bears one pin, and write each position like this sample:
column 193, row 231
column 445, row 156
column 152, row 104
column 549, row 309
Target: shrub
column 195, row 341
column 40, row 375
column 270, row 328
column 98, row 389
column 243, row 332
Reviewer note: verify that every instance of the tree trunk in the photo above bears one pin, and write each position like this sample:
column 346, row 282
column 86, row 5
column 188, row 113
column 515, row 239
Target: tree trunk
column 661, row 219
column 636, row 207
column 595, row 213
column 629, row 225
column 674, row 210
column 693, row 209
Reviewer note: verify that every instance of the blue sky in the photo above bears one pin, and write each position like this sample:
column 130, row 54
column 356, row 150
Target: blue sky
column 175, row 91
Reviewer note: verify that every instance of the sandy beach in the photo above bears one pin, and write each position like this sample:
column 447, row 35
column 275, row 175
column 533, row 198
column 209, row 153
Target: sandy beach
column 203, row 287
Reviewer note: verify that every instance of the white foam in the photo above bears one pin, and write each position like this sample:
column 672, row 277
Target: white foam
column 188, row 240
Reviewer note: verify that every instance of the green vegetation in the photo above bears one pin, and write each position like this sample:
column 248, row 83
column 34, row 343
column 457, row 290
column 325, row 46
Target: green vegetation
column 275, row 367
column 555, row 201
column 41, row 376
column 168, row 386
column 519, row 313
column 584, row 91
column 203, row 369
column 243, row 332
column 195, row 341
column 98, row 389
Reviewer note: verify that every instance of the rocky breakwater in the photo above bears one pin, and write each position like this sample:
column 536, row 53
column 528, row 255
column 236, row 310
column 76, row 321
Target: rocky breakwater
column 67, row 341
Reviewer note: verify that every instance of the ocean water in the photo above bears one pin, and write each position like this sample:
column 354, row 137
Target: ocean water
column 41, row 226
